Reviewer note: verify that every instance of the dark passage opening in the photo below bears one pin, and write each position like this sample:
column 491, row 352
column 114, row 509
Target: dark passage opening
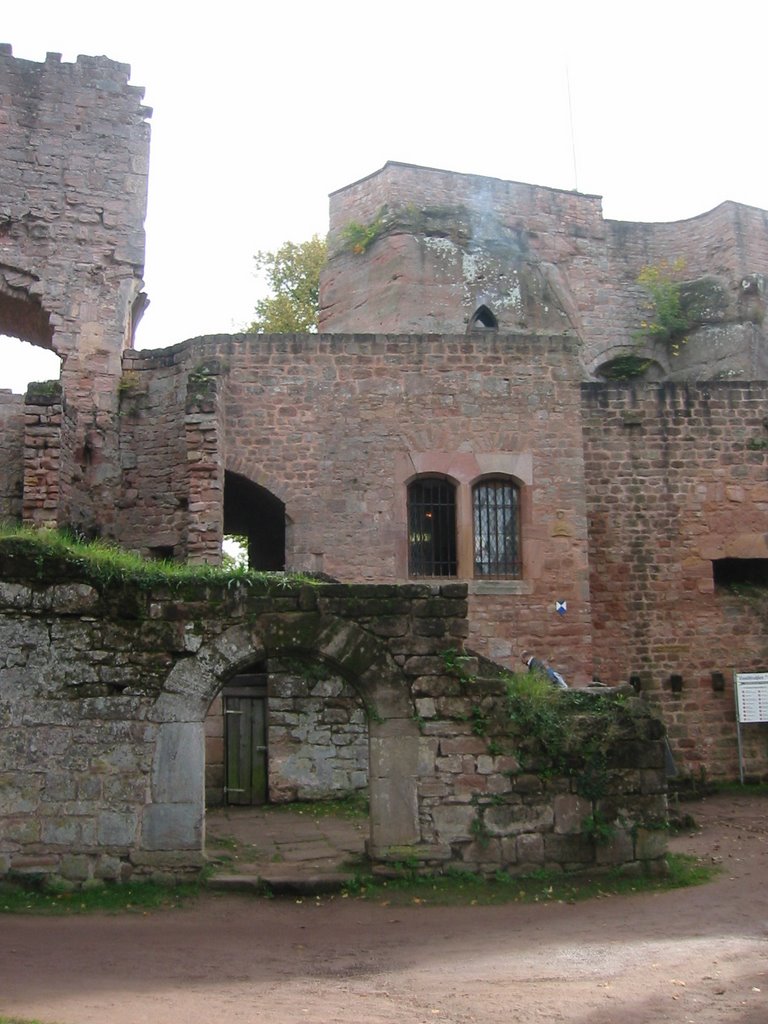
column 253, row 512
column 729, row 572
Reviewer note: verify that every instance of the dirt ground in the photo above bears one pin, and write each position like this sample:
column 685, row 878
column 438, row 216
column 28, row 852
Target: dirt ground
column 693, row 956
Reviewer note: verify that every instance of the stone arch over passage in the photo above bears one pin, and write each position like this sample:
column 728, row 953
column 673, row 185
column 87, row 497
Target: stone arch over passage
column 174, row 819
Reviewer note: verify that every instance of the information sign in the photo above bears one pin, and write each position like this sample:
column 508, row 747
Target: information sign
column 751, row 692
column 752, row 696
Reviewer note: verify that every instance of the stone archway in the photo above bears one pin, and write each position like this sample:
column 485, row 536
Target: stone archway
column 174, row 819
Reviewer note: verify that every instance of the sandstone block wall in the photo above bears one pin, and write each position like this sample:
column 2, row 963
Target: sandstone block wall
column 543, row 260
column 73, row 184
column 154, row 501
column 676, row 478
column 335, row 427
column 11, row 455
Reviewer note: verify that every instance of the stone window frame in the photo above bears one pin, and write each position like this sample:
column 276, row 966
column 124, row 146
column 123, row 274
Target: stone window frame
column 464, row 470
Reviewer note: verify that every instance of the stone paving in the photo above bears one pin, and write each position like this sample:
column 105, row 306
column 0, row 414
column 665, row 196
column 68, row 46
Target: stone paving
column 284, row 850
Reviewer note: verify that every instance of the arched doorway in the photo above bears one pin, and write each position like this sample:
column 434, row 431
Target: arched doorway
column 177, row 808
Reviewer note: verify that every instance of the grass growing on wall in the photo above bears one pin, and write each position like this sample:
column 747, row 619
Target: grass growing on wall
column 106, row 562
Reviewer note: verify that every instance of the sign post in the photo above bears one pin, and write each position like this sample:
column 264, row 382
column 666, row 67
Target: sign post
column 750, row 690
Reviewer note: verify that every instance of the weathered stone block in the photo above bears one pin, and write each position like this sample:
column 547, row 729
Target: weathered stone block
column 618, row 850
column 172, row 827
column 75, row 867
column 20, row 792
column 512, row 819
column 529, row 848
column 568, row 849
column 570, row 811
column 117, row 829
column 650, row 844
column 179, row 763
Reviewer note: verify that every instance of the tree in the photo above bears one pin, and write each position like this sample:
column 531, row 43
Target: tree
column 293, row 275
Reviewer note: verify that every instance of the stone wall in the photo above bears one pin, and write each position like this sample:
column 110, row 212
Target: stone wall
column 676, row 478
column 73, row 185
column 335, row 427
column 442, row 244
column 104, row 690
column 155, row 493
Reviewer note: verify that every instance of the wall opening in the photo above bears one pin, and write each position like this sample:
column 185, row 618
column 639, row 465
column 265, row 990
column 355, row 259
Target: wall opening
column 253, row 513
column 26, row 335
column 432, row 546
column 730, row 572
column 629, row 367
column 483, row 320
column 287, row 729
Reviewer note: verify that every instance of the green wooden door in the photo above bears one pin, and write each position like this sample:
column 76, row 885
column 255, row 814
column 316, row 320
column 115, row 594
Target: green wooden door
column 245, row 732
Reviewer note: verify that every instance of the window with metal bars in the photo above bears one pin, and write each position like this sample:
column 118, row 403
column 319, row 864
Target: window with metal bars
column 496, row 506
column 431, row 527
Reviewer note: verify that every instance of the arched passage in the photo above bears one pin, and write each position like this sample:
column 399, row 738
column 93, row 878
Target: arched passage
column 174, row 819
column 254, row 513
column 291, row 728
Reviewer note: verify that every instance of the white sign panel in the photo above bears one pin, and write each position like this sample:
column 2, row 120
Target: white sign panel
column 751, row 691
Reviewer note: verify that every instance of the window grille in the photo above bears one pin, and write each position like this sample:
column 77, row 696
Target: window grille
column 431, row 528
column 497, row 529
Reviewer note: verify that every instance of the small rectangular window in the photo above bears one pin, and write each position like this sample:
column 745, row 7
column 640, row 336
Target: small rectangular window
column 730, row 572
column 431, row 527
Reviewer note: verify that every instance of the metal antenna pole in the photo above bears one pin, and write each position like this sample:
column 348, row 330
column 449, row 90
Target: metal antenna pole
column 573, row 134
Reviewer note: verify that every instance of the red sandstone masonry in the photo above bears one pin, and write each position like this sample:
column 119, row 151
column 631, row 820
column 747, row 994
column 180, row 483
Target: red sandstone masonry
column 42, row 462
column 672, row 484
column 334, row 426
column 409, row 280
column 73, row 209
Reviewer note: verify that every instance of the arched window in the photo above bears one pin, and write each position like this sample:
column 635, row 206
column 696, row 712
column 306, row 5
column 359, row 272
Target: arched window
column 431, row 527
column 496, row 508
column 483, row 320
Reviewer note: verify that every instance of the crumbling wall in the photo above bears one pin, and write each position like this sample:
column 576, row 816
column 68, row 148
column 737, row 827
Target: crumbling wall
column 104, row 689
column 415, row 249
column 73, row 184
column 676, row 479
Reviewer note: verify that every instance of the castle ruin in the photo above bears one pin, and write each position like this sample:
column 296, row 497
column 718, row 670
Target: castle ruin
column 486, row 356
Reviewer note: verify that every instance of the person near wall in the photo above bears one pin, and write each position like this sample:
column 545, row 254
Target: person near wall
column 537, row 665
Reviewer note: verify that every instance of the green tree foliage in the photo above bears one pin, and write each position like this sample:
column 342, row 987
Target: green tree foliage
column 293, row 275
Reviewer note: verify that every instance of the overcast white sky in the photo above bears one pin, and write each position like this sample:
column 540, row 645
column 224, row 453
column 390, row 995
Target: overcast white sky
column 261, row 109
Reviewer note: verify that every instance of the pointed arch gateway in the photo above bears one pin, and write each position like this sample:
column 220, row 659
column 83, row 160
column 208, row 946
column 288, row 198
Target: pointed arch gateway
column 174, row 819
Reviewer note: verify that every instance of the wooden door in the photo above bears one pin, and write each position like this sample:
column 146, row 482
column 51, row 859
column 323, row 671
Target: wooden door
column 245, row 737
